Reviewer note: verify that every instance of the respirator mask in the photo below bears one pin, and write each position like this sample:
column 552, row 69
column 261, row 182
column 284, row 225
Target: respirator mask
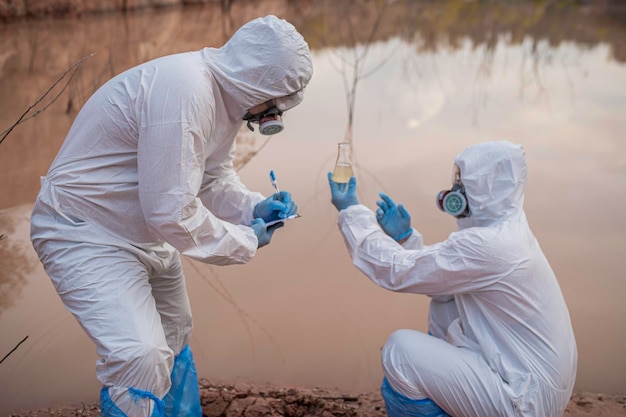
column 454, row 201
column 270, row 120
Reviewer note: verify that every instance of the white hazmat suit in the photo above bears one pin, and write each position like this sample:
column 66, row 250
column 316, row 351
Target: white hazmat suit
column 146, row 173
column 501, row 341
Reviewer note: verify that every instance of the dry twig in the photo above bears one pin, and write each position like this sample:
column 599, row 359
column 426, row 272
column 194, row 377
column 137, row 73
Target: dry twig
column 25, row 115
column 14, row 349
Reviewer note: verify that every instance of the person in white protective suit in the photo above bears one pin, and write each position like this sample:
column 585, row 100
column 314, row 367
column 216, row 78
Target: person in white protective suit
column 500, row 340
column 146, row 174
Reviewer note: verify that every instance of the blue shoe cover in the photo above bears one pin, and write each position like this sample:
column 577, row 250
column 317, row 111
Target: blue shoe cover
column 400, row 406
column 109, row 409
column 183, row 399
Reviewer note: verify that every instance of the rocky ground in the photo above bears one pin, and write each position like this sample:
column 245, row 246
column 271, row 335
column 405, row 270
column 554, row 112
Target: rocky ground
column 246, row 400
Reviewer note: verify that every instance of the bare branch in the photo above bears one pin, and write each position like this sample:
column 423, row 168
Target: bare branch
column 357, row 65
column 14, row 349
column 25, row 115
column 245, row 317
column 381, row 63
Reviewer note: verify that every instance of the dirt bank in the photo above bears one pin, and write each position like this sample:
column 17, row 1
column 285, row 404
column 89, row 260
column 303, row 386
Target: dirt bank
column 246, row 400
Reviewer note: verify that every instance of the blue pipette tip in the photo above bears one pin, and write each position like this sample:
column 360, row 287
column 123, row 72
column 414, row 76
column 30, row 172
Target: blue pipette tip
column 273, row 181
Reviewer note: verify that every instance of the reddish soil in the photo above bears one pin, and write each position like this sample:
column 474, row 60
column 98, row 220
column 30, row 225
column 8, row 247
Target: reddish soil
column 247, row 400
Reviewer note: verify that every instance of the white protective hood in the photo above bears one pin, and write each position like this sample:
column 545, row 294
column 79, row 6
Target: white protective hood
column 494, row 176
column 241, row 66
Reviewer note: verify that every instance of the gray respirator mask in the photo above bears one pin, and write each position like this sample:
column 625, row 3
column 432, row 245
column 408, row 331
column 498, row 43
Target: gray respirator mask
column 270, row 121
column 454, row 200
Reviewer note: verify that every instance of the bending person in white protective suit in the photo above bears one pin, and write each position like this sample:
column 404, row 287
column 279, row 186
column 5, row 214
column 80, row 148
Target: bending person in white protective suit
column 500, row 339
column 145, row 174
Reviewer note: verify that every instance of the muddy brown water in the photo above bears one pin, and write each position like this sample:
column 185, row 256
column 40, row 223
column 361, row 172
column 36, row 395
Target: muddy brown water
column 435, row 79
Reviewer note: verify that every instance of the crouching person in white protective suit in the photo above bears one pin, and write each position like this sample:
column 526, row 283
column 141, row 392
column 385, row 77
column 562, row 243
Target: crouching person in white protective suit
column 145, row 174
column 500, row 339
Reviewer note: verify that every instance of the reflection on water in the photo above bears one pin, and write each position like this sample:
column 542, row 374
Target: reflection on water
column 16, row 260
column 432, row 79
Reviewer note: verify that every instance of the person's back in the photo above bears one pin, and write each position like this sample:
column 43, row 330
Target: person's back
column 95, row 175
column 515, row 314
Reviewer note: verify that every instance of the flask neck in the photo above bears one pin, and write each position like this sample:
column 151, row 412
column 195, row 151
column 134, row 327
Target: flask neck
column 344, row 153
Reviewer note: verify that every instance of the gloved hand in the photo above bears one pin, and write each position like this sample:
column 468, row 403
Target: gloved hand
column 277, row 206
column 341, row 197
column 262, row 232
column 394, row 219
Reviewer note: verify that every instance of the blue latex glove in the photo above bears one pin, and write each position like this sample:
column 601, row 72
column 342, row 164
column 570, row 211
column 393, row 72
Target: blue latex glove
column 394, row 219
column 277, row 206
column 262, row 232
column 343, row 197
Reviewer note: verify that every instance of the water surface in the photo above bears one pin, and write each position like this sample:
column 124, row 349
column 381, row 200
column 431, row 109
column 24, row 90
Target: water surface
column 433, row 80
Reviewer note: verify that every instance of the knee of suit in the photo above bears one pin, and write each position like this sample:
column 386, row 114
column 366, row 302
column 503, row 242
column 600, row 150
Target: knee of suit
column 146, row 356
column 393, row 343
column 399, row 337
column 398, row 343
column 402, row 358
column 146, row 367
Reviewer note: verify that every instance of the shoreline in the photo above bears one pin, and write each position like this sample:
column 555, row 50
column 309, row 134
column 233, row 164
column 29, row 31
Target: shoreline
column 236, row 399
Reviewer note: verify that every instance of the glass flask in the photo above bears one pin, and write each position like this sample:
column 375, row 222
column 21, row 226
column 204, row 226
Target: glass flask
column 343, row 167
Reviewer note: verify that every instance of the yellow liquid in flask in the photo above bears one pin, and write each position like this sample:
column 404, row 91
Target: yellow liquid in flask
column 342, row 173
